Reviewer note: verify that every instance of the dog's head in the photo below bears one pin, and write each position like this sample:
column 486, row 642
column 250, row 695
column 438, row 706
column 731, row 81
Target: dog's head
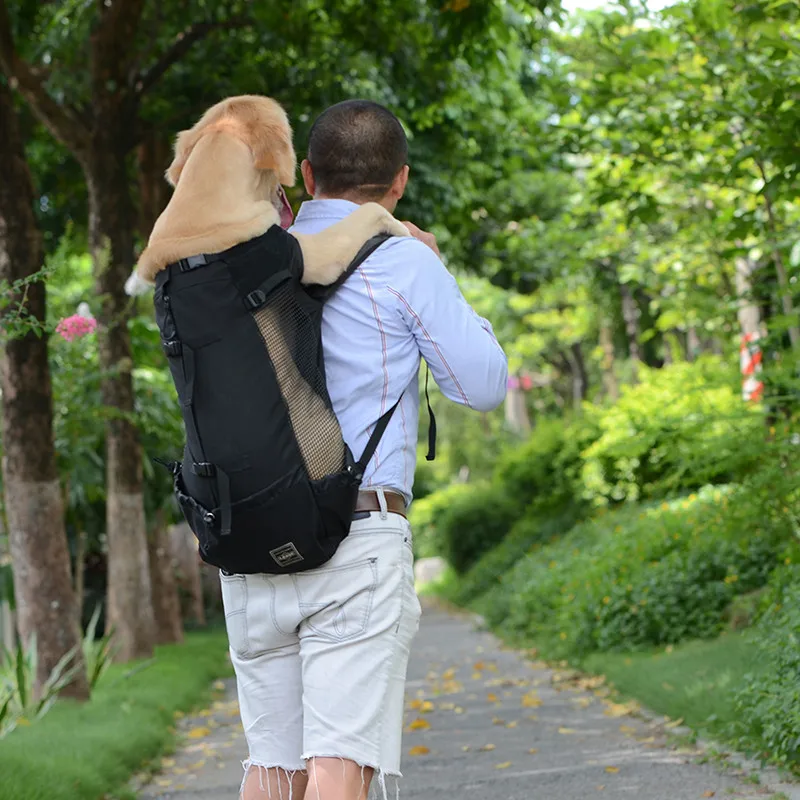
column 257, row 121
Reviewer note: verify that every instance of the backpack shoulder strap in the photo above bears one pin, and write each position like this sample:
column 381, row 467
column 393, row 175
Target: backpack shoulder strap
column 323, row 293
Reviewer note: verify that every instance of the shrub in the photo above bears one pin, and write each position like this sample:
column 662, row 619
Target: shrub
column 476, row 520
column 489, row 570
column 644, row 575
column 679, row 428
column 770, row 702
column 545, row 472
column 425, row 515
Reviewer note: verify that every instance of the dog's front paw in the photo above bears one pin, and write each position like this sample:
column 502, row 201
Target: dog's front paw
column 136, row 286
column 382, row 220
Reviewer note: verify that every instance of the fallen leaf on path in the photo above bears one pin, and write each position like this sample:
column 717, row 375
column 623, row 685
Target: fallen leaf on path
column 582, row 702
column 487, row 748
column 498, row 721
column 531, row 700
column 504, row 765
column 601, row 788
column 491, row 697
column 566, row 731
column 419, row 750
column 458, row 710
column 426, row 707
column 627, row 729
column 416, row 704
column 449, row 674
column 166, row 763
column 479, row 666
column 466, row 748
column 219, row 686
column 709, row 794
column 419, row 725
column 199, row 732
column 476, row 676
column 447, row 706
column 512, row 724
column 674, row 723
column 612, row 770
column 533, row 751
column 620, row 709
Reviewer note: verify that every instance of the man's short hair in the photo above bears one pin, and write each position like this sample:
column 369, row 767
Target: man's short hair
column 356, row 147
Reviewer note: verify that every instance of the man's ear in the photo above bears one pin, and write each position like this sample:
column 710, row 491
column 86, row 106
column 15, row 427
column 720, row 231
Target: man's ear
column 308, row 177
column 399, row 183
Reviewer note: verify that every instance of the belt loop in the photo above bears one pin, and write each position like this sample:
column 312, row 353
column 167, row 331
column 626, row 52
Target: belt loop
column 382, row 503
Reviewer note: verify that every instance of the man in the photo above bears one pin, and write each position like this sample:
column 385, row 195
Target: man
column 321, row 684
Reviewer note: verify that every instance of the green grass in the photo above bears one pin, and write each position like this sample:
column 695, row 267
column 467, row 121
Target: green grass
column 85, row 752
column 696, row 681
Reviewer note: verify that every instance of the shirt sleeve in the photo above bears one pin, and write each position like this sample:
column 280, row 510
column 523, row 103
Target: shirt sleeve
column 460, row 347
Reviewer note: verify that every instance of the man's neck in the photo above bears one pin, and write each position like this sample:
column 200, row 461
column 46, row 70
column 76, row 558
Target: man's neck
column 387, row 202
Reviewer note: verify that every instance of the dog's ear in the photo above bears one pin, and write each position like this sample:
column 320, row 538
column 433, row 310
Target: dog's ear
column 272, row 149
column 184, row 144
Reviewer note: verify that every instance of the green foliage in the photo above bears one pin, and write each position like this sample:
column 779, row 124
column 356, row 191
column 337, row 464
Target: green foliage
column 678, row 429
column 90, row 750
column 544, row 473
column 487, row 573
column 644, row 576
column 98, row 653
column 462, row 522
column 770, row 701
column 475, row 523
column 21, row 703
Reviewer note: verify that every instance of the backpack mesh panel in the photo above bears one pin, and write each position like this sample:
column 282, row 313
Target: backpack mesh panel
column 293, row 348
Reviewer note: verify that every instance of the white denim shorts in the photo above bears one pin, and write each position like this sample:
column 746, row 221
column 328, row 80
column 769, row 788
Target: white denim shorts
column 321, row 656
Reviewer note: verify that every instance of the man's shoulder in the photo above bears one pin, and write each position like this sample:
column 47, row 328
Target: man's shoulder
column 406, row 250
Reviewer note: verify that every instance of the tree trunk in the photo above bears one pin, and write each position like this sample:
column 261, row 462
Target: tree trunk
column 751, row 327
column 630, row 314
column 111, row 222
column 34, row 507
column 610, row 381
column 580, row 377
column 80, row 574
column 166, row 604
column 516, row 410
column 184, row 550
column 694, row 347
column 787, row 306
column 153, row 157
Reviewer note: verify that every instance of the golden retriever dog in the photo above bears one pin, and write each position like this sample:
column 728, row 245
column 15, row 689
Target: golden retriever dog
column 228, row 173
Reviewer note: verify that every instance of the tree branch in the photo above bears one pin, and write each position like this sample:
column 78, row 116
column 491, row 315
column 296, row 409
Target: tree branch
column 181, row 45
column 60, row 120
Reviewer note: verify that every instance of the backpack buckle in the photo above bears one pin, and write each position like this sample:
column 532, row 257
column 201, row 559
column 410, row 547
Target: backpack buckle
column 193, row 262
column 255, row 300
column 204, row 469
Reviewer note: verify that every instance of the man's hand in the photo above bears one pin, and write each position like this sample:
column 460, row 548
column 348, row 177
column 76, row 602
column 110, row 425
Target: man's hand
column 425, row 237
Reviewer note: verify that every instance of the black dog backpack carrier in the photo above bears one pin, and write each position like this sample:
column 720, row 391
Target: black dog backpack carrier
column 267, row 482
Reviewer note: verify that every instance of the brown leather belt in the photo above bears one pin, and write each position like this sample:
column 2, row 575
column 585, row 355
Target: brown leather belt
column 368, row 501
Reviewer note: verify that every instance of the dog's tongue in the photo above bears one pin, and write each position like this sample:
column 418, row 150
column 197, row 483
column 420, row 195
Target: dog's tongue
column 287, row 215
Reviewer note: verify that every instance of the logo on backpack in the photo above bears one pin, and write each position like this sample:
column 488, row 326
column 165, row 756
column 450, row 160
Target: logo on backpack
column 286, row 554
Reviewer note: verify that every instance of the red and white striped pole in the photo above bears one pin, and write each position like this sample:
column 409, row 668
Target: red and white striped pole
column 751, row 366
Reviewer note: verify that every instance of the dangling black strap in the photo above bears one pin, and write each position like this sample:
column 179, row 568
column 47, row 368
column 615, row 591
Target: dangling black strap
column 431, row 421
column 374, row 440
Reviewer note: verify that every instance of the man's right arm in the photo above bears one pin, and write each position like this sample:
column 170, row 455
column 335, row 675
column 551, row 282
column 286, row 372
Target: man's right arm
column 460, row 348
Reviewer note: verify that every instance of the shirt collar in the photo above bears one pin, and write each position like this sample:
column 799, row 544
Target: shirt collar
column 325, row 209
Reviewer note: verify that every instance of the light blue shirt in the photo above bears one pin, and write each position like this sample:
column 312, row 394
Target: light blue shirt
column 400, row 304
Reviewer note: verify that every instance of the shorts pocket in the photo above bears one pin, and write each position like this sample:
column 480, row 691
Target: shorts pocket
column 234, row 601
column 336, row 602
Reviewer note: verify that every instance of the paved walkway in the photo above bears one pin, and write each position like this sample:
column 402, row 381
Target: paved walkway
column 485, row 723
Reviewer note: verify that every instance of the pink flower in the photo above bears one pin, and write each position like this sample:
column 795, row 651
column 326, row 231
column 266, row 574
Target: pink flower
column 75, row 326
